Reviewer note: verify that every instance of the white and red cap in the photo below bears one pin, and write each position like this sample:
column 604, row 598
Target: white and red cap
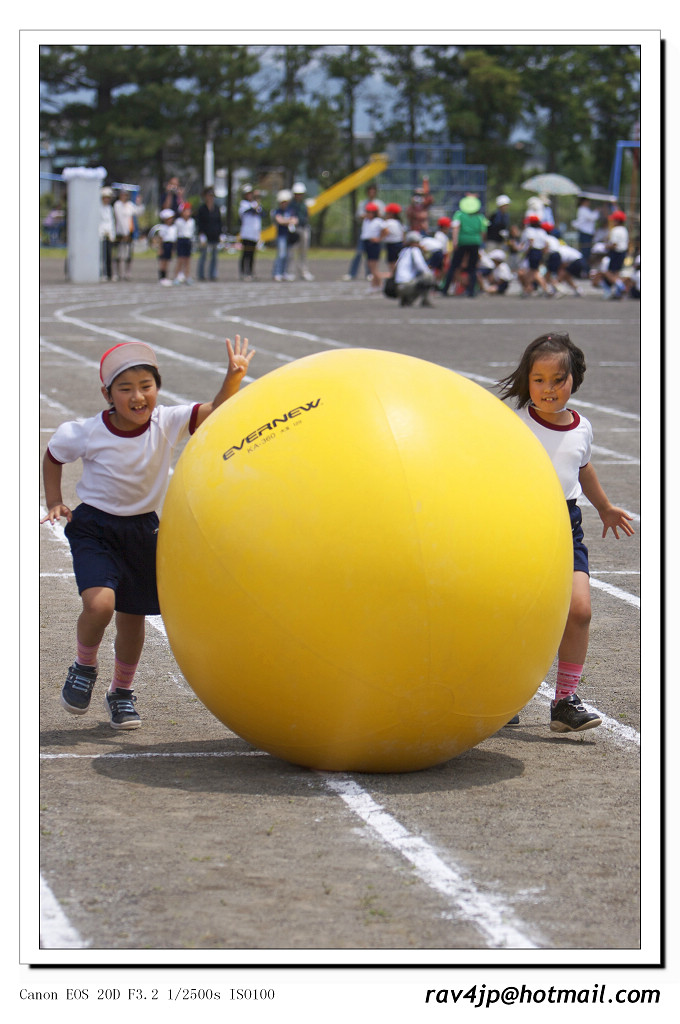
column 121, row 357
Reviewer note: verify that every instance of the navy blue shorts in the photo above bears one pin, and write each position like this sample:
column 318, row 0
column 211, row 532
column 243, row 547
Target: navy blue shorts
column 166, row 251
column 372, row 249
column 577, row 268
column 183, row 247
column 553, row 262
column 534, row 257
column 118, row 552
column 580, row 550
column 616, row 261
column 392, row 250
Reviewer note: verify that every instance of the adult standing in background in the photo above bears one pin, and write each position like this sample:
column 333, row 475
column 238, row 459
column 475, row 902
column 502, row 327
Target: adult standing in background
column 250, row 215
column 585, row 223
column 173, row 196
column 498, row 231
column 417, row 212
column 107, row 233
column 468, row 231
column 124, row 211
column 209, row 228
column 304, row 230
column 286, row 225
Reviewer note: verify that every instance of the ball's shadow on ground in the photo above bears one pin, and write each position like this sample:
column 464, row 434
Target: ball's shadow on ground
column 232, row 766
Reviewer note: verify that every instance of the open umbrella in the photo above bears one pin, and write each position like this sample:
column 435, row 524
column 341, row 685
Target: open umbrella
column 552, row 185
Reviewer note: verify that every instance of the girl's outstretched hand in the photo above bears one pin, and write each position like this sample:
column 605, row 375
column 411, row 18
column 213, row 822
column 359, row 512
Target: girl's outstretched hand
column 239, row 356
column 616, row 519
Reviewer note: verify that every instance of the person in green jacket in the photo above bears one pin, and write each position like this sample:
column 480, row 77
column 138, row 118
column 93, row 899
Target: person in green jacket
column 468, row 233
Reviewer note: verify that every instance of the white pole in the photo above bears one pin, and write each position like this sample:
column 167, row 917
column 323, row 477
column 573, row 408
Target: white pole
column 208, row 165
column 82, row 222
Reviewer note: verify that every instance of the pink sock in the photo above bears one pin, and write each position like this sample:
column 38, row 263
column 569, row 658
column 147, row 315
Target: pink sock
column 123, row 675
column 568, row 678
column 87, row 655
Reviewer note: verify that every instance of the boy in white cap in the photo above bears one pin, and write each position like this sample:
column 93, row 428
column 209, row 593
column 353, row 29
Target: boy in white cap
column 125, row 452
column 167, row 235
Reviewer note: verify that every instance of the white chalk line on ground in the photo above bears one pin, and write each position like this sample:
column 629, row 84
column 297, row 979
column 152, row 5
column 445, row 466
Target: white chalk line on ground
column 492, row 917
column 608, row 588
column 63, row 316
column 56, row 931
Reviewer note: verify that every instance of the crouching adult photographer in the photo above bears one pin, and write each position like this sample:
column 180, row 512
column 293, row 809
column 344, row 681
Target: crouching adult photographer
column 412, row 276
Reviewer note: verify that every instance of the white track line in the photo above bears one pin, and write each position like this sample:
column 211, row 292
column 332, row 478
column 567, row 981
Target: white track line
column 491, row 917
column 622, row 595
column 64, row 316
column 56, row 931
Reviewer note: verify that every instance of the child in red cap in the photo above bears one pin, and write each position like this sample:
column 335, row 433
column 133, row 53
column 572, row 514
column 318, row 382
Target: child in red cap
column 617, row 246
column 125, row 452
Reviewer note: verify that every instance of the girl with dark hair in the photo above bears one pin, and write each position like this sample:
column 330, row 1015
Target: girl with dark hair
column 550, row 371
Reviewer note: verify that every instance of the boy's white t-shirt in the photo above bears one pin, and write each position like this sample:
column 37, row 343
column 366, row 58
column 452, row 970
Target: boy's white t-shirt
column 124, row 473
column 167, row 232
column 569, row 447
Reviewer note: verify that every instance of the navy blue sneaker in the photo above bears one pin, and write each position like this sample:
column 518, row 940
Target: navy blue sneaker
column 77, row 690
column 120, row 705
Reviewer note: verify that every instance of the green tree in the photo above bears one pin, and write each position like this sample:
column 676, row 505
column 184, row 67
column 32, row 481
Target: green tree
column 577, row 101
column 351, row 67
column 102, row 123
column 223, row 109
column 408, row 71
column 481, row 100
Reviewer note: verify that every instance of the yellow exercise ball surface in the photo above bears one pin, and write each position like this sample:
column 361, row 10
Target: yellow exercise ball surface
column 364, row 562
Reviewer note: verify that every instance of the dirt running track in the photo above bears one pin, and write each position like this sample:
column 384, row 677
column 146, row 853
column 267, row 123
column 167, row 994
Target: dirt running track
column 180, row 837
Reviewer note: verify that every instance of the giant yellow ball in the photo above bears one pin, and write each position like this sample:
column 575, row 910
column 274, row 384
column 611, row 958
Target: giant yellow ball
column 364, row 562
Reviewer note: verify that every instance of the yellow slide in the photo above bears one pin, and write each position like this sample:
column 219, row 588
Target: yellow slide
column 376, row 164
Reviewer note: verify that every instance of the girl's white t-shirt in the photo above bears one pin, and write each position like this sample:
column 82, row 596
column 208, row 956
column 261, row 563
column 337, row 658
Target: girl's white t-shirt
column 124, row 473
column 371, row 228
column 569, row 447
column 185, row 227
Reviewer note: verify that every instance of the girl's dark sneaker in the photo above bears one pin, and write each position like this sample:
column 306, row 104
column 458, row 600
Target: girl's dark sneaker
column 569, row 715
column 77, row 690
column 120, row 705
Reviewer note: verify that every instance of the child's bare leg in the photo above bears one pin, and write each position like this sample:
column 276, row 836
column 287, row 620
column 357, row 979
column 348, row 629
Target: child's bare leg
column 574, row 644
column 567, row 713
column 97, row 612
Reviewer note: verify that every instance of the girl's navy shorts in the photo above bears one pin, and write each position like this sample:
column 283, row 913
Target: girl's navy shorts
column 117, row 552
column 183, row 247
column 372, row 249
column 166, row 251
column 392, row 251
column 580, row 550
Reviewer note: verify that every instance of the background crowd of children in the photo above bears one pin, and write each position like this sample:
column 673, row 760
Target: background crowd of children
column 467, row 253
column 470, row 254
